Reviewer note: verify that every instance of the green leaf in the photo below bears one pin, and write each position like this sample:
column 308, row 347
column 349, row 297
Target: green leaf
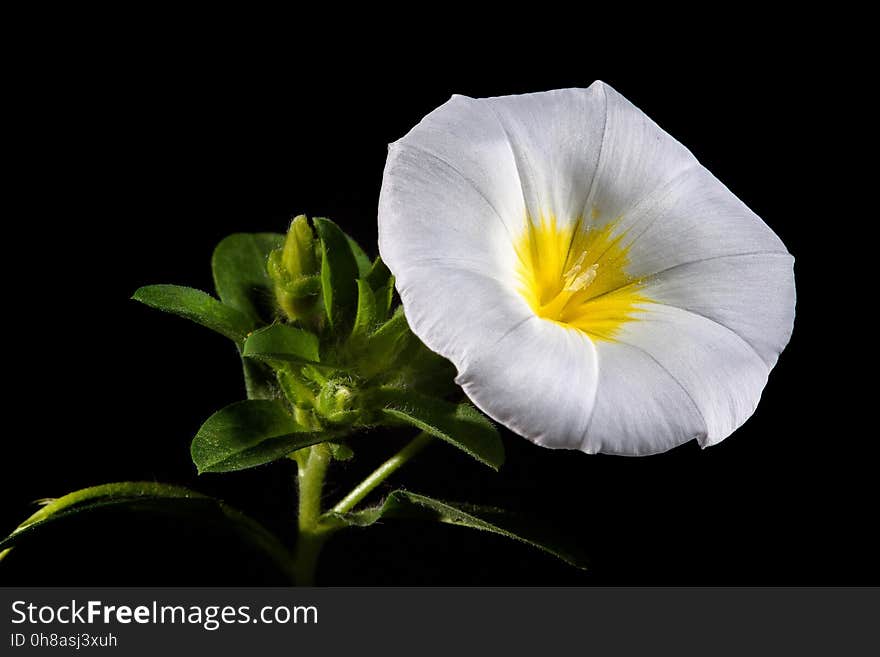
column 385, row 347
column 384, row 299
column 196, row 306
column 247, row 434
column 392, row 356
column 280, row 342
column 379, row 274
column 366, row 311
column 362, row 259
column 460, row 425
column 339, row 271
column 240, row 276
column 420, row 369
column 382, row 283
column 404, row 504
column 140, row 497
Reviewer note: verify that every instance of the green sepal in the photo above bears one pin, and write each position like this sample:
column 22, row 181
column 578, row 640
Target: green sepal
column 365, row 320
column 298, row 256
column 361, row 258
column 341, row 451
column 385, row 298
column 294, row 271
column 301, row 395
column 414, row 366
column 379, row 274
column 196, row 306
column 406, row 505
column 393, row 356
column 141, row 497
column 383, row 348
column 240, row 276
column 302, row 289
column 247, row 434
column 280, row 342
column 382, row 283
column 338, row 403
column 339, row 271
column 460, row 425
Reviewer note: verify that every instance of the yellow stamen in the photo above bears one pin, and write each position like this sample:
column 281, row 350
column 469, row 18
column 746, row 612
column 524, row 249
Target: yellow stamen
column 575, row 275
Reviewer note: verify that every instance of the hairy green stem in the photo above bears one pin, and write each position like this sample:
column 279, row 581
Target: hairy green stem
column 310, row 478
column 381, row 473
column 312, row 467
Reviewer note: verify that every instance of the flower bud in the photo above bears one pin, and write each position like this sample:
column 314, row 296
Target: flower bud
column 294, row 269
column 298, row 252
column 337, row 403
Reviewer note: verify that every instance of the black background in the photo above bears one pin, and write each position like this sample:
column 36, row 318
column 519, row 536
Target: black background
column 137, row 153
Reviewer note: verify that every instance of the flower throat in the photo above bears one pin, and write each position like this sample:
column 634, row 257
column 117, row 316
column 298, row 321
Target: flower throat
column 575, row 275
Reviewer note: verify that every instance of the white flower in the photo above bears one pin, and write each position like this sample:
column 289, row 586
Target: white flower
column 596, row 287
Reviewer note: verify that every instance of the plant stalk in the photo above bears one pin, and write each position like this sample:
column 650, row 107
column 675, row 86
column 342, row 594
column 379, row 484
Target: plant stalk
column 381, row 473
column 310, row 479
column 312, row 468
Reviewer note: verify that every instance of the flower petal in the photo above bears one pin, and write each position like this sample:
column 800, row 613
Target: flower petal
column 556, row 139
column 429, row 214
column 453, row 172
column 638, row 160
column 696, row 246
column 693, row 218
column 640, row 409
column 753, row 295
column 539, row 380
column 458, row 313
column 719, row 374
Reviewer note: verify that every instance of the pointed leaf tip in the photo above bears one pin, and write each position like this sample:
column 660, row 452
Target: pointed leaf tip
column 136, row 497
column 407, row 505
column 196, row 306
column 360, row 257
column 366, row 317
column 339, row 271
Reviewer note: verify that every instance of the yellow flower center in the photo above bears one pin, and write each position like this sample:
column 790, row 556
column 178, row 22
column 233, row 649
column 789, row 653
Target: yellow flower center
column 575, row 275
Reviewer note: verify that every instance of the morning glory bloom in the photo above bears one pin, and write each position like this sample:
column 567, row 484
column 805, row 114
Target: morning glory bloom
column 595, row 286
